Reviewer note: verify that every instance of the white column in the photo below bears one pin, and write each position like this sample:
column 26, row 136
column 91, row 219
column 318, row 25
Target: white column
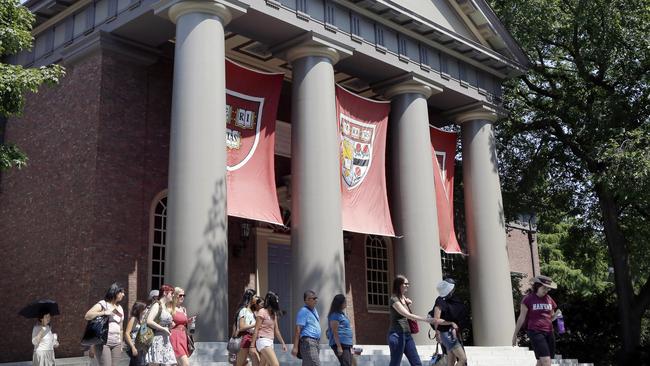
column 197, row 250
column 413, row 199
column 316, row 233
column 489, row 270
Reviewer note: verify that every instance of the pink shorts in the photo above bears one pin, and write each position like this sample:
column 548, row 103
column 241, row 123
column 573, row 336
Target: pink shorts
column 246, row 340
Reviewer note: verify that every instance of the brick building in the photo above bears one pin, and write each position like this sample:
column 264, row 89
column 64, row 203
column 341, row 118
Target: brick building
column 91, row 207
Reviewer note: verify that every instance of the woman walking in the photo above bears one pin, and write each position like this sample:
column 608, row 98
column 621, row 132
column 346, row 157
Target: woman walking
column 110, row 353
column 448, row 312
column 400, row 341
column 266, row 329
column 340, row 332
column 159, row 319
column 44, row 342
column 178, row 336
column 540, row 310
column 132, row 328
column 246, row 326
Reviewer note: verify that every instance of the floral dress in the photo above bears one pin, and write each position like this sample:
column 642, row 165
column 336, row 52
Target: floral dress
column 161, row 350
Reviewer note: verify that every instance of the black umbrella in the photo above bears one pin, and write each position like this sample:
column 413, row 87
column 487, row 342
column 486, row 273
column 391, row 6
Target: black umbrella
column 36, row 309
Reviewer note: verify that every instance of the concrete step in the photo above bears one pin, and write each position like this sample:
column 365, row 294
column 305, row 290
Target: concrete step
column 215, row 354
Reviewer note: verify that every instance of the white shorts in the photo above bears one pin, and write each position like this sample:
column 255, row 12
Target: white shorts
column 262, row 343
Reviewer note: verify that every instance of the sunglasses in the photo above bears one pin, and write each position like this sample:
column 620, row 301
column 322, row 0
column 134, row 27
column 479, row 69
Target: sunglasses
column 181, row 295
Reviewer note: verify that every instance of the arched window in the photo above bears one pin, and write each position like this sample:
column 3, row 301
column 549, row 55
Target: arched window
column 158, row 240
column 378, row 272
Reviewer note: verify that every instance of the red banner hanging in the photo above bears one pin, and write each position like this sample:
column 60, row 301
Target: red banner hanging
column 362, row 125
column 443, row 154
column 251, row 107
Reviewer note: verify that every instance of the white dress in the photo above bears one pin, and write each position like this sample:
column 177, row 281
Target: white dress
column 161, row 350
column 43, row 350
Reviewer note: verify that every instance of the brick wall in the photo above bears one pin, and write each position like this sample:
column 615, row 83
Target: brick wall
column 77, row 217
column 519, row 253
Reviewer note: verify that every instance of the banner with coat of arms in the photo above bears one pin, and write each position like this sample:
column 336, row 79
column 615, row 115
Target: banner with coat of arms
column 252, row 99
column 444, row 158
column 362, row 125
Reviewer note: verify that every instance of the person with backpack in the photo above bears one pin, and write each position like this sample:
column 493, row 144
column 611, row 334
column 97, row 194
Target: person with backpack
column 161, row 352
column 448, row 313
column 538, row 310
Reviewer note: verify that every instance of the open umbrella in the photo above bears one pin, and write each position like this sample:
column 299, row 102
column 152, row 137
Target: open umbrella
column 36, row 309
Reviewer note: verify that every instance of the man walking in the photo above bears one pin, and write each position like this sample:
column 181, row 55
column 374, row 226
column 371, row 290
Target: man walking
column 307, row 334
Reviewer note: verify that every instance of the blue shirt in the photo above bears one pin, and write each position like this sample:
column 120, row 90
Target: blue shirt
column 344, row 330
column 309, row 321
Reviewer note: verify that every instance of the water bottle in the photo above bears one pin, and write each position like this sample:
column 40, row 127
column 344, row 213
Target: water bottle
column 560, row 324
column 192, row 325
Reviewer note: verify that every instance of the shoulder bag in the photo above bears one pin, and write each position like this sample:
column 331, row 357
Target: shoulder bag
column 144, row 338
column 413, row 325
column 234, row 343
column 96, row 330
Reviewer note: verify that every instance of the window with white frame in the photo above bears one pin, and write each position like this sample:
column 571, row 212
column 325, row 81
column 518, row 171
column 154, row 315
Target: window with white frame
column 378, row 258
column 158, row 242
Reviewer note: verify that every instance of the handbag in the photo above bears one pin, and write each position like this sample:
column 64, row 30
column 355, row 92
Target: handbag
column 299, row 354
column 234, row 345
column 96, row 331
column 190, row 344
column 413, row 325
column 437, row 357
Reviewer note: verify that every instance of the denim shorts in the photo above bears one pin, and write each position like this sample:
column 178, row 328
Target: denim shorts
column 449, row 341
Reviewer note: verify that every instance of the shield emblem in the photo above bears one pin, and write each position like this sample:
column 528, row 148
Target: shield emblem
column 243, row 123
column 357, row 139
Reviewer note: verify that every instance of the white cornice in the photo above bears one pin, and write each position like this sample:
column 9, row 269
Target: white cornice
column 406, row 84
column 475, row 111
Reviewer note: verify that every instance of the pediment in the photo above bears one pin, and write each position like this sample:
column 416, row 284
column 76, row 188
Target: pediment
column 470, row 20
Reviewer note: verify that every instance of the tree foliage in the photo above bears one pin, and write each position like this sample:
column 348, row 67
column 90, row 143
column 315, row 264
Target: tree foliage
column 576, row 147
column 15, row 80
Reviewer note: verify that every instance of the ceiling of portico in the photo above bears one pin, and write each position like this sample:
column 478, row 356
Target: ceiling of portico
column 355, row 73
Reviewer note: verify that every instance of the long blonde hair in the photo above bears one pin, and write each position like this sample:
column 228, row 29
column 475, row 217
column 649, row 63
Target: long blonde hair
column 174, row 303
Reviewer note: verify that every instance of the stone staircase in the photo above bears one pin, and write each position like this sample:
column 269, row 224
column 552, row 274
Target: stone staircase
column 215, row 354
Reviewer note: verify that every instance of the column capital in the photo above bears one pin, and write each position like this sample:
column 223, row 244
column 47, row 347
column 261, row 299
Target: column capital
column 475, row 111
column 174, row 9
column 406, row 84
column 311, row 44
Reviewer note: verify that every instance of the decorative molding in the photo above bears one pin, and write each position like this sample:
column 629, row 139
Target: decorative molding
column 406, row 84
column 226, row 10
column 102, row 41
column 311, row 44
column 475, row 111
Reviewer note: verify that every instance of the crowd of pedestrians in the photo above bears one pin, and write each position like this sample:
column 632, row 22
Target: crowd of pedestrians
column 256, row 326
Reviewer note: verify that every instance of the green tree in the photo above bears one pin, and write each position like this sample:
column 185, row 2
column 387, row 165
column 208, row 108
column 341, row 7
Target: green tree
column 577, row 141
column 15, row 81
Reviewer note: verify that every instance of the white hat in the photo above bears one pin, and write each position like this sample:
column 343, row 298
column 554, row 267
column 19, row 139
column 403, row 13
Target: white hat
column 445, row 288
column 153, row 293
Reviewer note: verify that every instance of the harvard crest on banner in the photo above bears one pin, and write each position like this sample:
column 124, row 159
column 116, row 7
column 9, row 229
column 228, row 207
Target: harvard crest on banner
column 362, row 125
column 356, row 149
column 252, row 99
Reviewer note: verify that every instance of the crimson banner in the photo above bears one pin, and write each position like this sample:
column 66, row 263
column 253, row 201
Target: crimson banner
column 362, row 125
column 251, row 106
column 443, row 154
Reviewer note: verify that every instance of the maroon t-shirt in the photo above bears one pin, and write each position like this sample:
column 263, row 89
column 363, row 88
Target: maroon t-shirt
column 540, row 312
